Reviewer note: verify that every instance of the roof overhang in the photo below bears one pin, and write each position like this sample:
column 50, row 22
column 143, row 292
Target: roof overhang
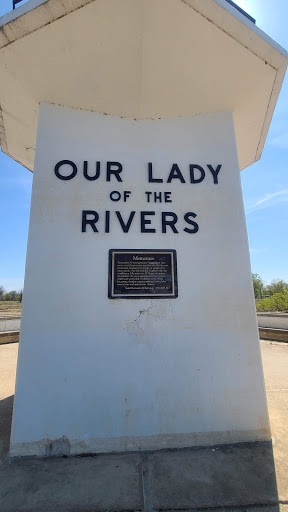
column 138, row 59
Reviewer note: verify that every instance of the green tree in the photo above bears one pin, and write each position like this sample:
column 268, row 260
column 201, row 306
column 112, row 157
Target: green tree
column 277, row 302
column 2, row 292
column 277, row 286
column 258, row 286
column 11, row 295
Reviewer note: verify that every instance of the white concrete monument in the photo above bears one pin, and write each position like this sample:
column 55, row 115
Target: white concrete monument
column 138, row 328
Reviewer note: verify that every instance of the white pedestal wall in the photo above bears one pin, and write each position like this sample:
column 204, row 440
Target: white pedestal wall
column 96, row 374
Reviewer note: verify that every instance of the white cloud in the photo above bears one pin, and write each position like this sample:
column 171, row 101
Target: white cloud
column 268, row 200
column 281, row 141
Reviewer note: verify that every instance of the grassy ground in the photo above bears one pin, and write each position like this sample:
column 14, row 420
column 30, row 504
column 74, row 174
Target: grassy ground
column 10, row 308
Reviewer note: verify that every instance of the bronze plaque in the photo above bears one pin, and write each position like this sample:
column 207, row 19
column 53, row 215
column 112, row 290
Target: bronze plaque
column 142, row 274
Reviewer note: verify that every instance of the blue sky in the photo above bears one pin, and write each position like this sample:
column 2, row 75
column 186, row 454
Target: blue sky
column 265, row 184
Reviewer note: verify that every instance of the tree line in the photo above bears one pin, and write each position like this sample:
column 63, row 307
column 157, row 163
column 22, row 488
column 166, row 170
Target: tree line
column 273, row 297
column 11, row 296
column 261, row 291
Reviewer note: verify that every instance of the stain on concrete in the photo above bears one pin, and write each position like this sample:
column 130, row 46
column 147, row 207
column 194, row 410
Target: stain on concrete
column 55, row 447
column 134, row 327
column 155, row 312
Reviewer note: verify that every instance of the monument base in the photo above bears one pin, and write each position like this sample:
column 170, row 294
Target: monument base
column 214, row 478
column 64, row 446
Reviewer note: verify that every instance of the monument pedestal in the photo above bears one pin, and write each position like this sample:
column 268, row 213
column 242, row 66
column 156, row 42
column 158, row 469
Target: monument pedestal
column 102, row 373
column 139, row 328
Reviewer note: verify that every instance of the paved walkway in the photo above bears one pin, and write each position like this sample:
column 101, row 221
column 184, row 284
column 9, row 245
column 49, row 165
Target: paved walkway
column 234, row 478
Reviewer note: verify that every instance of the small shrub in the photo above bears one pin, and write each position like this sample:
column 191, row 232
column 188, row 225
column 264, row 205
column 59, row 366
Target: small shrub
column 277, row 302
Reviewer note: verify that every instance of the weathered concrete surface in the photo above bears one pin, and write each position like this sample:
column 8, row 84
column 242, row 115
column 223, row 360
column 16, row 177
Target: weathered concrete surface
column 8, row 359
column 9, row 337
column 264, row 508
column 238, row 478
column 275, row 361
column 222, row 476
column 84, row 484
column 273, row 334
column 10, row 323
column 273, row 320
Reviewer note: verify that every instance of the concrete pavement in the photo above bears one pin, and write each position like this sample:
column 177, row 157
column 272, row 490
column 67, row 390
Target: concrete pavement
column 275, row 363
column 248, row 477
